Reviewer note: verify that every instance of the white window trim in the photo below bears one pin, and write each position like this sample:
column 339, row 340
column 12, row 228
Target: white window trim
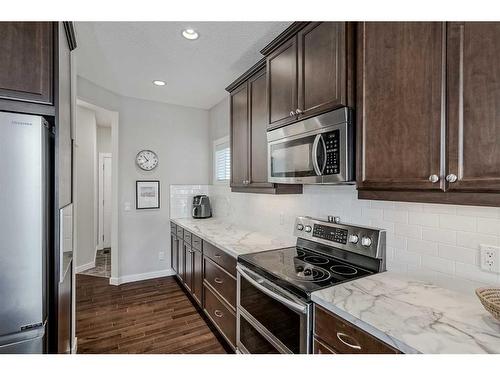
column 218, row 142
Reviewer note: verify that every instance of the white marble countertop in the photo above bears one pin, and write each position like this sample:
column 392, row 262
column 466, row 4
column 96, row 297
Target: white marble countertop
column 234, row 239
column 414, row 316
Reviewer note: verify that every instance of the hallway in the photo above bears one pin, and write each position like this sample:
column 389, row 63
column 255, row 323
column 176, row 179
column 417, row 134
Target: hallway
column 151, row 316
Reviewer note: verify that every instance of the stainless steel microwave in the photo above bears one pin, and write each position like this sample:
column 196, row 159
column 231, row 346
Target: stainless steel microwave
column 318, row 150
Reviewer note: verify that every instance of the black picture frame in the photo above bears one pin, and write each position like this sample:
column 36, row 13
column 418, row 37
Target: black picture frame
column 137, row 183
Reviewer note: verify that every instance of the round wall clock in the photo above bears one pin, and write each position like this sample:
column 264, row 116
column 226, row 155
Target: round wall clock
column 147, row 160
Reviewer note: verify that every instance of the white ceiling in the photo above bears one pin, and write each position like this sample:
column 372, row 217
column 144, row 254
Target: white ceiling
column 125, row 57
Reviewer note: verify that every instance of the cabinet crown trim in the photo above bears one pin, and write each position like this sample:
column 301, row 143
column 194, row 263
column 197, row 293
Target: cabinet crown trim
column 290, row 31
column 245, row 76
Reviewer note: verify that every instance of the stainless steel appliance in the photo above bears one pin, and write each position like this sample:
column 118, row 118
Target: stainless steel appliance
column 319, row 150
column 24, row 232
column 274, row 308
column 201, row 207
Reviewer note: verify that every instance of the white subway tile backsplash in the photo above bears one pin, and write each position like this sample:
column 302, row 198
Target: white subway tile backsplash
column 461, row 223
column 433, row 242
column 423, row 218
column 412, row 231
column 440, row 235
column 488, row 226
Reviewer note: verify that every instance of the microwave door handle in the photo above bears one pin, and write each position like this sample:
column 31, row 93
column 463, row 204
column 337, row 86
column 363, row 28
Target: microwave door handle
column 323, row 143
column 314, row 155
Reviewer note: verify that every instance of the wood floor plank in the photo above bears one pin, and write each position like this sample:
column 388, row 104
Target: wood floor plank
column 151, row 316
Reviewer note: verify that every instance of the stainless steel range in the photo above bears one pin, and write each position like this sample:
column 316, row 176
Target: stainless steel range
column 274, row 308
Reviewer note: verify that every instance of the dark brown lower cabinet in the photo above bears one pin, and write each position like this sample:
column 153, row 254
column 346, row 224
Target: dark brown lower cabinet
column 197, row 276
column 175, row 252
column 335, row 335
column 221, row 315
column 188, row 267
column 180, row 259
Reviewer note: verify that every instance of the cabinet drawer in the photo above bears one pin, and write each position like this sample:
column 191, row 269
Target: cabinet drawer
column 223, row 318
column 345, row 338
column 320, row 348
column 221, row 281
column 173, row 228
column 187, row 237
column 223, row 259
column 196, row 242
column 180, row 232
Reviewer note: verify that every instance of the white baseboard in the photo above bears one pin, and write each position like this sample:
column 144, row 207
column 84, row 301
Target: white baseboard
column 85, row 267
column 140, row 276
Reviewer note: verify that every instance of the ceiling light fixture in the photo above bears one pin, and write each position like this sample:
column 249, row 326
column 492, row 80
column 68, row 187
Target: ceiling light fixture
column 190, row 34
column 158, row 82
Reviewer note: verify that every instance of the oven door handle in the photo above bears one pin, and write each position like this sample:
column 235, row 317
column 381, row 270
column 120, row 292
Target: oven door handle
column 279, row 297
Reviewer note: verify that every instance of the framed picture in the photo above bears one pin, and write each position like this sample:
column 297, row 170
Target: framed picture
column 147, row 194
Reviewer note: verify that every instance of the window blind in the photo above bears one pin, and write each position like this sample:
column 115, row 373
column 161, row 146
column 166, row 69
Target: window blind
column 222, row 163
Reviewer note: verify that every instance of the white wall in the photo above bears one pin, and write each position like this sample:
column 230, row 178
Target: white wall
column 103, row 139
column 180, row 137
column 219, row 126
column 85, row 156
column 436, row 243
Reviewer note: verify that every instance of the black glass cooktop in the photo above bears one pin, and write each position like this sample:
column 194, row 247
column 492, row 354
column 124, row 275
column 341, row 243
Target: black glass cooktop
column 301, row 271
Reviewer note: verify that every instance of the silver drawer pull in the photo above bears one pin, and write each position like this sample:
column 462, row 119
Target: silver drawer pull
column 218, row 313
column 218, row 280
column 217, row 255
column 342, row 337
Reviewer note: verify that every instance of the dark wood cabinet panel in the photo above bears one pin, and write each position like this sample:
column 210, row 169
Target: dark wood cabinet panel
column 223, row 317
column 400, row 105
column 258, row 130
column 197, row 276
column 239, row 137
column 221, row 281
column 320, row 348
column 26, row 59
column 180, row 259
column 322, row 64
column 345, row 338
column 188, row 267
column 174, row 252
column 220, row 257
column 282, row 84
column 474, row 106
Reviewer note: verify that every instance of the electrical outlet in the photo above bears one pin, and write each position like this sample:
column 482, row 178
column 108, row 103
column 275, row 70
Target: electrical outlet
column 161, row 255
column 489, row 258
column 282, row 218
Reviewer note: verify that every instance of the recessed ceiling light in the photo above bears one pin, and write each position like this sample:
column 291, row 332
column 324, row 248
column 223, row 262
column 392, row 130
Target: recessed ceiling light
column 190, row 34
column 158, row 82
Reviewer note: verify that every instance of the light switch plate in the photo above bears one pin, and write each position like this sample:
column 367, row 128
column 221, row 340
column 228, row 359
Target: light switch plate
column 489, row 258
column 127, row 206
column 161, row 255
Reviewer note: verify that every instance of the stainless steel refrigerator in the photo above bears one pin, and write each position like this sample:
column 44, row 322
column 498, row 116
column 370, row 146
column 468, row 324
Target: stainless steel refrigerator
column 25, row 146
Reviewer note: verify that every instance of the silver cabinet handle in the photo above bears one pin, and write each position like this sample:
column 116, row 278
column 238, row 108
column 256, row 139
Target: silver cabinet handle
column 451, row 178
column 218, row 313
column 292, row 113
column 218, row 280
column 433, row 178
column 342, row 337
column 298, row 111
column 217, row 255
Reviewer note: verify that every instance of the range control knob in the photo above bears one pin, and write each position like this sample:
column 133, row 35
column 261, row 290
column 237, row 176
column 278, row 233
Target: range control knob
column 308, row 228
column 300, row 227
column 366, row 241
column 353, row 238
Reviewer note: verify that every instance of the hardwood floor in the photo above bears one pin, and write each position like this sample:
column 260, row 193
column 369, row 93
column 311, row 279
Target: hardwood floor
column 151, row 316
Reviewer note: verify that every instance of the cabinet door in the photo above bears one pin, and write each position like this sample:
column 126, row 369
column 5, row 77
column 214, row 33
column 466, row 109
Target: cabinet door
column 188, row 264
column 282, row 84
column 180, row 258
column 173, row 248
column 26, row 58
column 239, row 137
column 400, row 105
column 197, row 276
column 258, row 130
column 322, row 84
column 473, row 114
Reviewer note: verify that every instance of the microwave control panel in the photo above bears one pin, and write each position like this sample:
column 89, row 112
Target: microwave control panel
column 332, row 142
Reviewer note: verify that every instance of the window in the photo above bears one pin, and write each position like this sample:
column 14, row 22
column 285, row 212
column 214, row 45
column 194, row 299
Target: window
column 222, row 160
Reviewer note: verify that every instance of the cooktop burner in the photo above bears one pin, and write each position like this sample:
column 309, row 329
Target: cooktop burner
column 300, row 270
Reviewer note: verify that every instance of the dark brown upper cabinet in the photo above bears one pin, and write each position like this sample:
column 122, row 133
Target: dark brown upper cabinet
column 26, row 58
column 309, row 71
column 473, row 107
column 400, row 105
column 248, row 133
column 428, row 124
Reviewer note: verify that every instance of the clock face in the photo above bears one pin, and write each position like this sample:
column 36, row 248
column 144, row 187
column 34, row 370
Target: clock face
column 146, row 160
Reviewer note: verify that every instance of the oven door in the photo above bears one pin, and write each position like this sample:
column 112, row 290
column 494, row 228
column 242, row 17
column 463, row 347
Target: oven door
column 269, row 319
